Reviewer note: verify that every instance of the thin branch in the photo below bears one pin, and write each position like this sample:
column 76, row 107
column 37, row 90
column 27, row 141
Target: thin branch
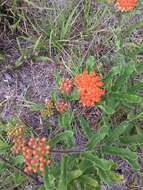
column 34, row 179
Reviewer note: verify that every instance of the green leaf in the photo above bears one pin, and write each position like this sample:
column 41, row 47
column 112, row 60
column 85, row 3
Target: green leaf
column 48, row 179
column 100, row 134
column 134, row 26
column 90, row 63
column 124, row 153
column 17, row 178
column 18, row 160
column 2, row 167
column 89, row 181
column 126, row 71
column 3, row 146
column 129, row 97
column 85, row 127
column 137, row 86
column 63, row 176
column 19, row 61
column 36, row 107
column 134, row 139
column 98, row 162
column 65, row 119
column 132, row 116
column 85, row 164
column 61, row 136
column 103, row 167
column 114, row 135
column 108, row 80
column 111, row 106
column 74, row 95
column 53, row 95
column 72, row 175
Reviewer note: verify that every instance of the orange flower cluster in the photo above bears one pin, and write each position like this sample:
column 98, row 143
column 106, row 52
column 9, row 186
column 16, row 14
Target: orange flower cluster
column 47, row 110
column 65, row 86
column 35, row 154
column 61, row 106
column 18, row 145
column 15, row 132
column 88, row 87
column 16, row 136
column 125, row 5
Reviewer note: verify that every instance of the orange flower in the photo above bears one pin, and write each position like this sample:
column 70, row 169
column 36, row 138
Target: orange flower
column 15, row 132
column 88, row 87
column 18, row 144
column 61, row 106
column 65, row 86
column 125, row 5
column 47, row 109
column 35, row 154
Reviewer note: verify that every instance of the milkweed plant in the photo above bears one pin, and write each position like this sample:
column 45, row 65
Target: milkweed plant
column 98, row 117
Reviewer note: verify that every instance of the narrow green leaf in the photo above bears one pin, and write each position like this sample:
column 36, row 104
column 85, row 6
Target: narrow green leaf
column 124, row 153
column 134, row 26
column 127, row 70
column 100, row 134
column 36, row 43
column 63, row 176
column 72, row 175
column 114, row 135
column 74, row 95
column 65, row 119
column 90, row 63
column 89, row 181
column 17, row 178
column 103, row 167
column 18, row 160
column 85, row 164
column 137, row 86
column 111, row 106
column 61, row 136
column 3, row 146
column 36, row 107
column 98, row 162
column 134, row 139
column 47, row 179
column 85, row 127
column 129, row 97
column 109, row 77
column 132, row 116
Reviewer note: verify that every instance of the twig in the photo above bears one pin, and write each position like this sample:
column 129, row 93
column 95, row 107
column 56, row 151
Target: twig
column 34, row 179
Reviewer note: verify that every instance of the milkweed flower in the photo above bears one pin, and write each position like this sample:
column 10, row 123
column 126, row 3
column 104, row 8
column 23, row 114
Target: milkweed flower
column 65, row 86
column 16, row 135
column 15, row 132
column 125, row 5
column 89, row 87
column 18, row 144
column 47, row 110
column 35, row 155
column 61, row 106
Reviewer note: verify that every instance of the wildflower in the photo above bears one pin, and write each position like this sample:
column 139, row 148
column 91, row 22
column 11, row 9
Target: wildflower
column 110, row 1
column 35, row 154
column 65, row 86
column 47, row 110
column 88, row 87
column 16, row 135
column 18, row 145
column 125, row 5
column 61, row 106
column 15, row 132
